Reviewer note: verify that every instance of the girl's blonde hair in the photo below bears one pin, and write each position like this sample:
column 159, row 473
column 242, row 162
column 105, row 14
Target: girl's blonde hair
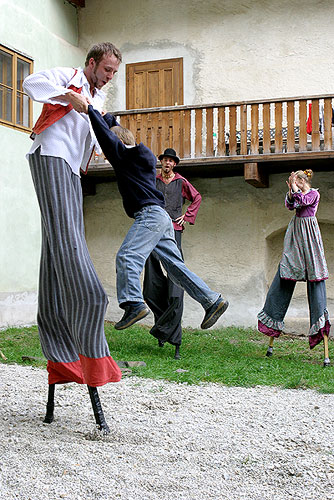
column 306, row 175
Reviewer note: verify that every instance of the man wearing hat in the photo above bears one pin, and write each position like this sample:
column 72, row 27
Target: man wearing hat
column 164, row 298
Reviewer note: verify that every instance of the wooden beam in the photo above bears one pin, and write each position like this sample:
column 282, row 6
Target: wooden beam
column 255, row 176
column 78, row 3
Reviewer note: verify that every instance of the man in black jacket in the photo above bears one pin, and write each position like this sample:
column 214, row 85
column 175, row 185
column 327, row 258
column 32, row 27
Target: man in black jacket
column 163, row 297
column 152, row 230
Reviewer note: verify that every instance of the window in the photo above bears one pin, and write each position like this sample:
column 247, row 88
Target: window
column 15, row 105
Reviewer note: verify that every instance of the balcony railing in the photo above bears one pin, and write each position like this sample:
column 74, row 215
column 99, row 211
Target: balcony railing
column 239, row 132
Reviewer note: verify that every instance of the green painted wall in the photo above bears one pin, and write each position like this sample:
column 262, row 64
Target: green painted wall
column 46, row 31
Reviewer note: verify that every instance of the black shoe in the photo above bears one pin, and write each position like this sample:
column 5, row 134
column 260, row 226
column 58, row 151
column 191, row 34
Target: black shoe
column 177, row 352
column 160, row 343
column 214, row 312
column 131, row 315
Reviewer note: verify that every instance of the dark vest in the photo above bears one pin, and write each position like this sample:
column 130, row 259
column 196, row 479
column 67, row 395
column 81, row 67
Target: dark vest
column 173, row 197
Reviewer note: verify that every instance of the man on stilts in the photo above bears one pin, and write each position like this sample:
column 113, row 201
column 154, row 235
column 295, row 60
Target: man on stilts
column 71, row 299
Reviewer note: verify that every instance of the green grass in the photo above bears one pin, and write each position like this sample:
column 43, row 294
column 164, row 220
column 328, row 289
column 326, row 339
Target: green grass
column 18, row 342
column 230, row 356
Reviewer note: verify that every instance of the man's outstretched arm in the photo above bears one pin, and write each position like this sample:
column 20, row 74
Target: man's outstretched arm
column 111, row 145
column 110, row 120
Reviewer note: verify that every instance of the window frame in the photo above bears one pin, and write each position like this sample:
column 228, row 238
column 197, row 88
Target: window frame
column 16, row 92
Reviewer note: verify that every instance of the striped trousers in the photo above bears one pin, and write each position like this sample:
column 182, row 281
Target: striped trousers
column 71, row 299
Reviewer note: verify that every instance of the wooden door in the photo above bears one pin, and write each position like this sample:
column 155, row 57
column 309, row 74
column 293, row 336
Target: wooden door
column 153, row 84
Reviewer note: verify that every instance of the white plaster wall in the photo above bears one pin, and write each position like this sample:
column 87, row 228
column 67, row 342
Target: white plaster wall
column 232, row 49
column 227, row 246
column 46, row 31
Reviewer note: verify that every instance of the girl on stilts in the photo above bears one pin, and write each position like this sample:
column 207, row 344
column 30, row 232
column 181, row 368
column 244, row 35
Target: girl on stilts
column 303, row 259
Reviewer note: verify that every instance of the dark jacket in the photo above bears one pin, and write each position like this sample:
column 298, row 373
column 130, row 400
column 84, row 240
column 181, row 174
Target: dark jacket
column 134, row 167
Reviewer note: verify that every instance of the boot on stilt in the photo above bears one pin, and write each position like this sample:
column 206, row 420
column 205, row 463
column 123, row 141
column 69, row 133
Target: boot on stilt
column 98, row 412
column 50, row 405
column 269, row 352
column 177, row 352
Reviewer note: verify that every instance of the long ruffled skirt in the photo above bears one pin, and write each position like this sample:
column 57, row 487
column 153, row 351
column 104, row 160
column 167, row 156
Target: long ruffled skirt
column 303, row 259
column 303, row 256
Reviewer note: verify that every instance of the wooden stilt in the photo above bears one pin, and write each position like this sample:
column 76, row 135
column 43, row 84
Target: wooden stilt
column 270, row 347
column 50, row 405
column 97, row 408
column 326, row 355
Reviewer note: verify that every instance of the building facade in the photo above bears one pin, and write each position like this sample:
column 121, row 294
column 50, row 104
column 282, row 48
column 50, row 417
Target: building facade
column 189, row 53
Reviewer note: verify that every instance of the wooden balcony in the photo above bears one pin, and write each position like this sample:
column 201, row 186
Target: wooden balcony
column 250, row 138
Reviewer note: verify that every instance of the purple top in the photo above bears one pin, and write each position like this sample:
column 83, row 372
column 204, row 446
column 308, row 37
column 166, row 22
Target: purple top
column 306, row 205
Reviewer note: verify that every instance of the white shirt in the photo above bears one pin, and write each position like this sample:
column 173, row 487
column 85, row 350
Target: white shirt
column 72, row 137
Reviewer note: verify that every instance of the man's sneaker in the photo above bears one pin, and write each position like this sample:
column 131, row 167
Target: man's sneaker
column 131, row 315
column 214, row 312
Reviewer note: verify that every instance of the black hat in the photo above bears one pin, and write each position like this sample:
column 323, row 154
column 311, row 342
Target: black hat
column 171, row 153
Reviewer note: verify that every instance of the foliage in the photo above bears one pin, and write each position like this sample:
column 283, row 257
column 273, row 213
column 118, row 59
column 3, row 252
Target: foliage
column 230, row 356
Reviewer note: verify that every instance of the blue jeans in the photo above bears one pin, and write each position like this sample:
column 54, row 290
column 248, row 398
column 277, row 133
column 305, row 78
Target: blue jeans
column 153, row 230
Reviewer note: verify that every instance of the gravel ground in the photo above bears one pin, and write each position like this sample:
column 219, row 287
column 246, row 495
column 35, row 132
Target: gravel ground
column 168, row 441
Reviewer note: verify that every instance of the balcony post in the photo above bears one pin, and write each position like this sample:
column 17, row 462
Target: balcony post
column 255, row 176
